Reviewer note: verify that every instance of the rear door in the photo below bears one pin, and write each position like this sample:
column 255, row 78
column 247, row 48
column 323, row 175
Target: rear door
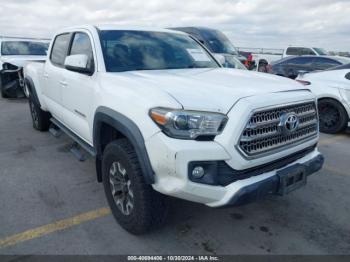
column 293, row 66
column 53, row 71
column 79, row 88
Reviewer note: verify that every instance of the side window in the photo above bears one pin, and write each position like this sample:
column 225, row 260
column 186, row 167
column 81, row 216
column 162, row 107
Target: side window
column 292, row 51
column 299, row 51
column 326, row 62
column 81, row 45
column 306, row 51
column 301, row 60
column 59, row 49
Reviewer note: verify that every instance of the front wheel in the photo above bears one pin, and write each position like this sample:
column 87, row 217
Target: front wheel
column 333, row 117
column 134, row 204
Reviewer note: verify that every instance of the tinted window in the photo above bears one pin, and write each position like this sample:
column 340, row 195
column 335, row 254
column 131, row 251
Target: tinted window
column 292, row 51
column 326, row 61
column 81, row 45
column 191, row 31
column 347, row 66
column 217, row 42
column 307, row 51
column 141, row 50
column 23, row 48
column 59, row 49
column 299, row 51
column 301, row 60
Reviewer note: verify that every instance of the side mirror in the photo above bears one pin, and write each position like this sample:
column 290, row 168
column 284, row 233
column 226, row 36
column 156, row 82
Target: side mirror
column 78, row 63
column 220, row 58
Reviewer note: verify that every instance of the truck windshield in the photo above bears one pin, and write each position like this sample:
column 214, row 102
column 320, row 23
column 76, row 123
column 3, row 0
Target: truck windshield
column 218, row 42
column 145, row 50
column 24, row 48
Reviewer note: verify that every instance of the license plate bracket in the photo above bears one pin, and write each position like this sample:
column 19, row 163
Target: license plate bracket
column 291, row 178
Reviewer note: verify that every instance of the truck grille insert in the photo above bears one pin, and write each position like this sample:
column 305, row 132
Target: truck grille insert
column 271, row 130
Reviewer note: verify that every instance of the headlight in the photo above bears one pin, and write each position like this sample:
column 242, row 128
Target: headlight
column 183, row 124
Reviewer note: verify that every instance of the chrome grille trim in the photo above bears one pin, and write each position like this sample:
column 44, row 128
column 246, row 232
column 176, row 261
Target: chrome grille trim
column 263, row 134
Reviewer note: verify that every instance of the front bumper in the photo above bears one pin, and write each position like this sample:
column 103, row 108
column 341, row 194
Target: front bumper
column 272, row 184
column 170, row 161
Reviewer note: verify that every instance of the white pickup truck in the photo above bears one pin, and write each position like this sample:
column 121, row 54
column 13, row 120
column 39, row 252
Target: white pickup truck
column 162, row 117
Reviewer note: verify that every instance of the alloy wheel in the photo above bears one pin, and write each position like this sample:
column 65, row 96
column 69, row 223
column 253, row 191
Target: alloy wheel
column 121, row 188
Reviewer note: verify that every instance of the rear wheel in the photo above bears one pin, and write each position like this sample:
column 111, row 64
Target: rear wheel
column 333, row 116
column 3, row 95
column 26, row 90
column 40, row 118
column 134, row 204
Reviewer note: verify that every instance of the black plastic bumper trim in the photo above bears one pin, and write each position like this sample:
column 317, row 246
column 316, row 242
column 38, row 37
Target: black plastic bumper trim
column 220, row 173
column 270, row 185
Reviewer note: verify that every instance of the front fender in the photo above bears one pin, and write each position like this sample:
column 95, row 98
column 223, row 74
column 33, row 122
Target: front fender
column 130, row 130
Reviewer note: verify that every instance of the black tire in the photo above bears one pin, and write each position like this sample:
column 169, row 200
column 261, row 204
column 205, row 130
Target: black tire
column 333, row 116
column 3, row 95
column 40, row 118
column 149, row 207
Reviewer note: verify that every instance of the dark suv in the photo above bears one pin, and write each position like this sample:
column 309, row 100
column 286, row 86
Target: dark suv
column 217, row 43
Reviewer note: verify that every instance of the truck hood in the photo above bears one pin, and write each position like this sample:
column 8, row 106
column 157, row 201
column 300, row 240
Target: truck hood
column 21, row 61
column 208, row 89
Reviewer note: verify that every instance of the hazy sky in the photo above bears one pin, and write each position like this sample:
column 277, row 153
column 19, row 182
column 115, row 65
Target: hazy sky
column 249, row 23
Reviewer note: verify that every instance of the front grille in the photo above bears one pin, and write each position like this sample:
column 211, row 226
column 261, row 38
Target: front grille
column 266, row 132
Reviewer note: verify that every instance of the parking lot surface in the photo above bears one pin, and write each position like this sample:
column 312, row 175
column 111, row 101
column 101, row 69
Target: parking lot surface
column 50, row 203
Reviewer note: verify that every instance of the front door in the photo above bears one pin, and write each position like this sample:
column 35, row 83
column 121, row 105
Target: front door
column 79, row 89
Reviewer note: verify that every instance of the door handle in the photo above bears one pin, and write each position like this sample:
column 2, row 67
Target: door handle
column 63, row 83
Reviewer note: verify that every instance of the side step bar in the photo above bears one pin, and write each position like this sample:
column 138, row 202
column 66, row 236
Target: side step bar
column 78, row 140
column 55, row 131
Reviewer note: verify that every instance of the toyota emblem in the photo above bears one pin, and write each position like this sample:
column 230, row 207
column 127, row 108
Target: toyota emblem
column 289, row 122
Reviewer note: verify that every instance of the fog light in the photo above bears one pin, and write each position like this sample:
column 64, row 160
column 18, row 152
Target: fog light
column 198, row 172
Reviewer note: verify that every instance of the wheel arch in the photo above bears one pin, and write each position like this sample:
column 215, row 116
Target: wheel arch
column 124, row 127
column 31, row 88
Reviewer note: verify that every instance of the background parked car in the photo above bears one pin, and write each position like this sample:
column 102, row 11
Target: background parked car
column 14, row 55
column 293, row 65
column 217, row 43
column 299, row 51
column 273, row 54
column 332, row 88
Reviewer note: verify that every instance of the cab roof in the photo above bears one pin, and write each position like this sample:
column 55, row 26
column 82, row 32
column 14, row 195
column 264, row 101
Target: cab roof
column 119, row 27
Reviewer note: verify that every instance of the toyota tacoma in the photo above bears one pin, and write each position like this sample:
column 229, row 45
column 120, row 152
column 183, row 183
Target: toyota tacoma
column 162, row 118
